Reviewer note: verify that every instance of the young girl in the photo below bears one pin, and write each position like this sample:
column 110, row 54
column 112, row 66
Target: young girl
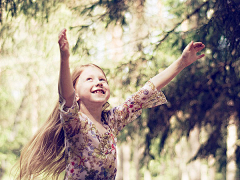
column 81, row 121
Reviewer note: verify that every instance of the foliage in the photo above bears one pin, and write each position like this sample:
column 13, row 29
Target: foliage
column 30, row 8
column 207, row 92
column 204, row 95
column 28, row 73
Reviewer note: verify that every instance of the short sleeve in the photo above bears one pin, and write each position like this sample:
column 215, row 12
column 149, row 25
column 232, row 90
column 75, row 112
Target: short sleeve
column 147, row 97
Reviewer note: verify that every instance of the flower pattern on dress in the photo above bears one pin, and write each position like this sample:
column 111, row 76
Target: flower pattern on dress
column 90, row 154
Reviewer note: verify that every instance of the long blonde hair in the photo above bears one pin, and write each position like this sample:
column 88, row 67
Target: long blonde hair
column 44, row 155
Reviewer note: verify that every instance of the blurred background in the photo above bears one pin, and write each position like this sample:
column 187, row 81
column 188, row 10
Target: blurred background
column 195, row 136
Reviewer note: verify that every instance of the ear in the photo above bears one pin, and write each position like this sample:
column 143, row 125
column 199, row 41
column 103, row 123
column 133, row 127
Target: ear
column 77, row 97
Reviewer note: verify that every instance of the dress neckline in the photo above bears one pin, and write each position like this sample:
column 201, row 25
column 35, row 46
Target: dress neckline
column 105, row 126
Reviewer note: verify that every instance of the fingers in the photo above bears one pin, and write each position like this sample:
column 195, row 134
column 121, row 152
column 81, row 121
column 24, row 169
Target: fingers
column 62, row 38
column 190, row 45
column 200, row 56
column 62, row 35
column 62, row 44
column 198, row 45
column 62, row 32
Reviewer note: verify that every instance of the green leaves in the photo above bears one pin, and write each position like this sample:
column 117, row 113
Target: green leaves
column 39, row 9
column 132, row 41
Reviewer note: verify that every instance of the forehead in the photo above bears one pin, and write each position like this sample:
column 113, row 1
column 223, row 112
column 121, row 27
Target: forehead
column 92, row 71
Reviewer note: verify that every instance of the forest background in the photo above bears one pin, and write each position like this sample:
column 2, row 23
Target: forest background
column 195, row 136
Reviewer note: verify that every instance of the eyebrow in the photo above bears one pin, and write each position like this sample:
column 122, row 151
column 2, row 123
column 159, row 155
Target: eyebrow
column 101, row 76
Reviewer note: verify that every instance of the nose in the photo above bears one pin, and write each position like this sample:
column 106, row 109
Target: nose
column 99, row 84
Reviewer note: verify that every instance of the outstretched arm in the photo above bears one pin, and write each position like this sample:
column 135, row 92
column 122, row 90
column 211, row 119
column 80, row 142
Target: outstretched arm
column 65, row 85
column 188, row 56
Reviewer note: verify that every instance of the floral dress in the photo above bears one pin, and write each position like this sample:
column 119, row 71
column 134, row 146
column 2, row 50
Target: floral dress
column 91, row 155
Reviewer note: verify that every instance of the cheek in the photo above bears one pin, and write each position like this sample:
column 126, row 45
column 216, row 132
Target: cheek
column 108, row 94
column 81, row 92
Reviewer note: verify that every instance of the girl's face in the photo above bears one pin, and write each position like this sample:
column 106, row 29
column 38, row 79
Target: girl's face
column 92, row 87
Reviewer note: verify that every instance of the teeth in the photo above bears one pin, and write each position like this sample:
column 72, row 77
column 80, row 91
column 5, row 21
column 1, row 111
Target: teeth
column 99, row 91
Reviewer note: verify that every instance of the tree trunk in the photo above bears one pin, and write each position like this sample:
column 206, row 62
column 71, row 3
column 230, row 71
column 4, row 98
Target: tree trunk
column 184, row 151
column 231, row 149
column 211, row 168
column 126, row 161
column 147, row 175
column 194, row 168
column 123, row 168
column 119, row 175
column 137, row 155
column 34, row 109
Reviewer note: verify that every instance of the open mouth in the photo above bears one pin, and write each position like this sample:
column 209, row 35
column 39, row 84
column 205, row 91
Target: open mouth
column 98, row 91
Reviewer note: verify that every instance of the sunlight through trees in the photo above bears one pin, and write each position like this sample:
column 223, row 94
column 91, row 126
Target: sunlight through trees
column 195, row 136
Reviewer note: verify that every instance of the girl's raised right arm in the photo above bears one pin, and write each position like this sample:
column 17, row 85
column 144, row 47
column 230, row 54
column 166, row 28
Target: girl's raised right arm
column 65, row 85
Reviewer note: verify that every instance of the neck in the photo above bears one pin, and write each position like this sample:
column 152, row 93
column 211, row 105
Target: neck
column 92, row 112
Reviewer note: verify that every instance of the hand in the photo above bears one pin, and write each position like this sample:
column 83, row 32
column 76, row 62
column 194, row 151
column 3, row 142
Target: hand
column 189, row 54
column 63, row 44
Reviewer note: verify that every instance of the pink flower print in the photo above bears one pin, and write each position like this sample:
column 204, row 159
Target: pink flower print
column 113, row 147
column 113, row 138
column 81, row 161
column 72, row 170
column 106, row 152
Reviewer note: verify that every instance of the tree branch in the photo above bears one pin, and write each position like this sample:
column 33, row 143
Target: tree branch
column 178, row 24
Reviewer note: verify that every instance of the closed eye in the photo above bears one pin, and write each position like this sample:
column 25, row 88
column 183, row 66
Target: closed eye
column 102, row 79
column 89, row 79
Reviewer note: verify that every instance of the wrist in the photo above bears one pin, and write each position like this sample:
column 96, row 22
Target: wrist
column 64, row 56
column 181, row 63
column 64, row 60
